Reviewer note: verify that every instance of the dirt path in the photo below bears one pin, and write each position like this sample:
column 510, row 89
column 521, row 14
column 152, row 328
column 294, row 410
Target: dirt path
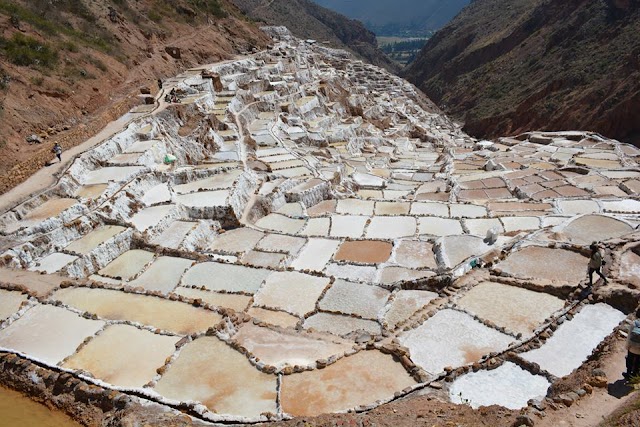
column 590, row 411
column 47, row 176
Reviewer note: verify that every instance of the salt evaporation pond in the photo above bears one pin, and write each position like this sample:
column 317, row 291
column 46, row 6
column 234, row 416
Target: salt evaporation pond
column 348, row 383
column 508, row 385
column 575, row 339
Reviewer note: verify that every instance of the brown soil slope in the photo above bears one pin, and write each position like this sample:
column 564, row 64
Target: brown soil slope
column 308, row 20
column 69, row 67
column 506, row 66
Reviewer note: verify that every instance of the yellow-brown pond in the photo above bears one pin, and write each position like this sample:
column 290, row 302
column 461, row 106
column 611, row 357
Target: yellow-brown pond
column 18, row 410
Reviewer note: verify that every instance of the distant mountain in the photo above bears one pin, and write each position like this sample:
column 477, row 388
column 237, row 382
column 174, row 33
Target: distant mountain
column 506, row 66
column 308, row 20
column 395, row 17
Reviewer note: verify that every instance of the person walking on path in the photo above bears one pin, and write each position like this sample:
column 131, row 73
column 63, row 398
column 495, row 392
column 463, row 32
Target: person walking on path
column 633, row 348
column 57, row 150
column 595, row 264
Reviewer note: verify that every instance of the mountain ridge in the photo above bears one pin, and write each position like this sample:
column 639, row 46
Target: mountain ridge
column 504, row 67
column 382, row 16
column 308, row 20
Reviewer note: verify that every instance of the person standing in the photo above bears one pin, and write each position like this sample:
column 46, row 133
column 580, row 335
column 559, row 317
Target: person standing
column 595, row 264
column 57, row 150
column 633, row 348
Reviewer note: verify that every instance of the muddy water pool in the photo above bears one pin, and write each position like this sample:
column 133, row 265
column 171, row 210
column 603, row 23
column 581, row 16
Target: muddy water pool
column 18, row 410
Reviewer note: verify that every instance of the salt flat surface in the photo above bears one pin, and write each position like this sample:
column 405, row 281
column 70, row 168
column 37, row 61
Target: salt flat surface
column 117, row 174
column 630, row 267
column 158, row 194
column 467, row 211
column 141, row 146
column 391, row 275
column 225, row 277
column 479, row 227
column 392, row 208
column 164, row 274
column 439, row 226
column 293, row 348
column 404, row 304
column 272, row 317
column 546, row 263
column 364, row 251
column 452, row 338
column 508, row 385
column 233, row 301
column 317, row 227
column 348, row 226
column 281, row 243
column 48, row 209
column 211, row 372
column 124, row 355
column 391, row 227
column 128, row 264
column 264, row 259
column 89, row 242
column 577, row 207
column 174, row 316
column 123, row 159
column 174, row 235
column 574, row 340
column 91, row 191
column 458, row 248
column 415, row 254
column 430, row 209
column 10, row 302
column 352, row 272
column 281, row 223
column 236, row 241
column 204, row 199
column 54, row 262
column 48, row 333
column 316, row 254
column 522, row 223
column 363, row 300
column 355, row 207
column 517, row 309
column 150, row 217
column 216, row 182
column 348, row 383
column 293, row 292
column 338, row 324
column 593, row 228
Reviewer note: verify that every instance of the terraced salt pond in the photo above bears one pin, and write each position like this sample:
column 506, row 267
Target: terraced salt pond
column 201, row 373
column 509, row 386
column 294, row 277
column 124, row 355
column 346, row 384
column 48, row 333
column 173, row 316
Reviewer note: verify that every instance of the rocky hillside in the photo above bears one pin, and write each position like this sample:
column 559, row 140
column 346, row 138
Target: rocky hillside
column 506, row 66
column 307, row 20
column 68, row 67
column 384, row 17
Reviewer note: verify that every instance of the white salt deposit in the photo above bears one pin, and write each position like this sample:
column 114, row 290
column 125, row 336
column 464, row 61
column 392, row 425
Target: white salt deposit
column 574, row 340
column 452, row 338
column 508, row 385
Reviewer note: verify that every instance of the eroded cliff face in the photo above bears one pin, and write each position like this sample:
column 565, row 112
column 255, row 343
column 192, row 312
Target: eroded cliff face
column 509, row 66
